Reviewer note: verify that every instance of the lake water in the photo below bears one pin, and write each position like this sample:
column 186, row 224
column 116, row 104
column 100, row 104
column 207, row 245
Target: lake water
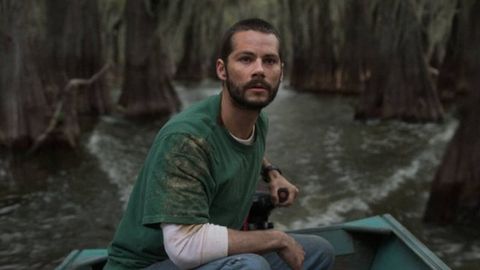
column 53, row 203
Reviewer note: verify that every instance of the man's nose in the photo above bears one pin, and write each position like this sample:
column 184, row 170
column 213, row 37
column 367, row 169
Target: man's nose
column 258, row 69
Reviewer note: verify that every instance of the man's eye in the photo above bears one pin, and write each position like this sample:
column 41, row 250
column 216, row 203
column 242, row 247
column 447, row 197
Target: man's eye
column 271, row 61
column 245, row 59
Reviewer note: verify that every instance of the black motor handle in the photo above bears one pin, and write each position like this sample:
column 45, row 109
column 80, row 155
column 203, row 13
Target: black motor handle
column 260, row 211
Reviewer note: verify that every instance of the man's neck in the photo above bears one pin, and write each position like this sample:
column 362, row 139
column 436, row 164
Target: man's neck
column 238, row 121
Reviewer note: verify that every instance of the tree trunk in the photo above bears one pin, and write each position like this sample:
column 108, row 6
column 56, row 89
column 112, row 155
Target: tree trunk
column 55, row 73
column 83, row 56
column 205, row 23
column 356, row 51
column 147, row 88
column 452, row 78
column 313, row 58
column 436, row 18
column 24, row 111
column 400, row 86
column 455, row 193
column 285, row 27
column 75, row 51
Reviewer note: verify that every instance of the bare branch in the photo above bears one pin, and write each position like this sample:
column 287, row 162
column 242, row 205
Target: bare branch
column 71, row 85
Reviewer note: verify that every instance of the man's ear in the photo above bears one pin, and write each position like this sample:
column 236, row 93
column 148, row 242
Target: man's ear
column 220, row 68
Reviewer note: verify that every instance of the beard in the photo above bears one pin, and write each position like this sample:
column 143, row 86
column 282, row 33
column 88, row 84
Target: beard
column 238, row 93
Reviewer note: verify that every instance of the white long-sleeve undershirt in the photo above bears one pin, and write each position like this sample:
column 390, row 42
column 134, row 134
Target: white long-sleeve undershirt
column 189, row 246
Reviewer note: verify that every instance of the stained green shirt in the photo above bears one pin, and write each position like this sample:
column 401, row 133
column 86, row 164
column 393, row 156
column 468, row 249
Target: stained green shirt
column 195, row 173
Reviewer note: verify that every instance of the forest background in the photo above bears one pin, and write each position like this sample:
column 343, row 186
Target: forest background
column 65, row 64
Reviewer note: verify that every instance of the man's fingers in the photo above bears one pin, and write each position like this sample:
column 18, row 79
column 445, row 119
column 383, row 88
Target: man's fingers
column 274, row 197
column 283, row 195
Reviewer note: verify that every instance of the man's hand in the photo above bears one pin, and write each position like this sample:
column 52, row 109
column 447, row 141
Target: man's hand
column 293, row 253
column 264, row 241
column 277, row 181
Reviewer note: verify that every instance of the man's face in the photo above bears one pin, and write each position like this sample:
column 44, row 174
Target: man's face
column 254, row 69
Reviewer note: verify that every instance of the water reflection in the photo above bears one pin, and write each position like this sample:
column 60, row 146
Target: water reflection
column 58, row 202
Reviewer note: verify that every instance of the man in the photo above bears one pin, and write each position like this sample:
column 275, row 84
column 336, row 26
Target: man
column 195, row 189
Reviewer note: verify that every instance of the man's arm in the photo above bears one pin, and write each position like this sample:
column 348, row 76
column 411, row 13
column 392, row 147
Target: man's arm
column 189, row 246
column 192, row 245
column 277, row 181
column 263, row 241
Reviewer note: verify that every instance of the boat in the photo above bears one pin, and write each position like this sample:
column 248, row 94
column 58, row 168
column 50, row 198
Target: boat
column 373, row 243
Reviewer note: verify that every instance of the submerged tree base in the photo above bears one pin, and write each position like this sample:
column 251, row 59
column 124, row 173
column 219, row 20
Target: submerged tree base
column 455, row 194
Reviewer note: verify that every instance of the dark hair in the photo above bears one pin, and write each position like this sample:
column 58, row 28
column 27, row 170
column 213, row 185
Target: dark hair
column 254, row 24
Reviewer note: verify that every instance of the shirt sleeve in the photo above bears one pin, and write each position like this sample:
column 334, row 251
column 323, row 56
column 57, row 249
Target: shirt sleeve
column 179, row 184
column 189, row 246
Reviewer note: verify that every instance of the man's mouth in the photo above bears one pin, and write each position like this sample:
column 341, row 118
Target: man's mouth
column 258, row 85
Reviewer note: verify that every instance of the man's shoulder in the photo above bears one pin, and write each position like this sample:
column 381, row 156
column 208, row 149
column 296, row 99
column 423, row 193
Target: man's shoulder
column 195, row 124
column 198, row 120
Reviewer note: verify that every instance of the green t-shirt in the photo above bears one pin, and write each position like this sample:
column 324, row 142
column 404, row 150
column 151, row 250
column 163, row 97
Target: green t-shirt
column 195, row 173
